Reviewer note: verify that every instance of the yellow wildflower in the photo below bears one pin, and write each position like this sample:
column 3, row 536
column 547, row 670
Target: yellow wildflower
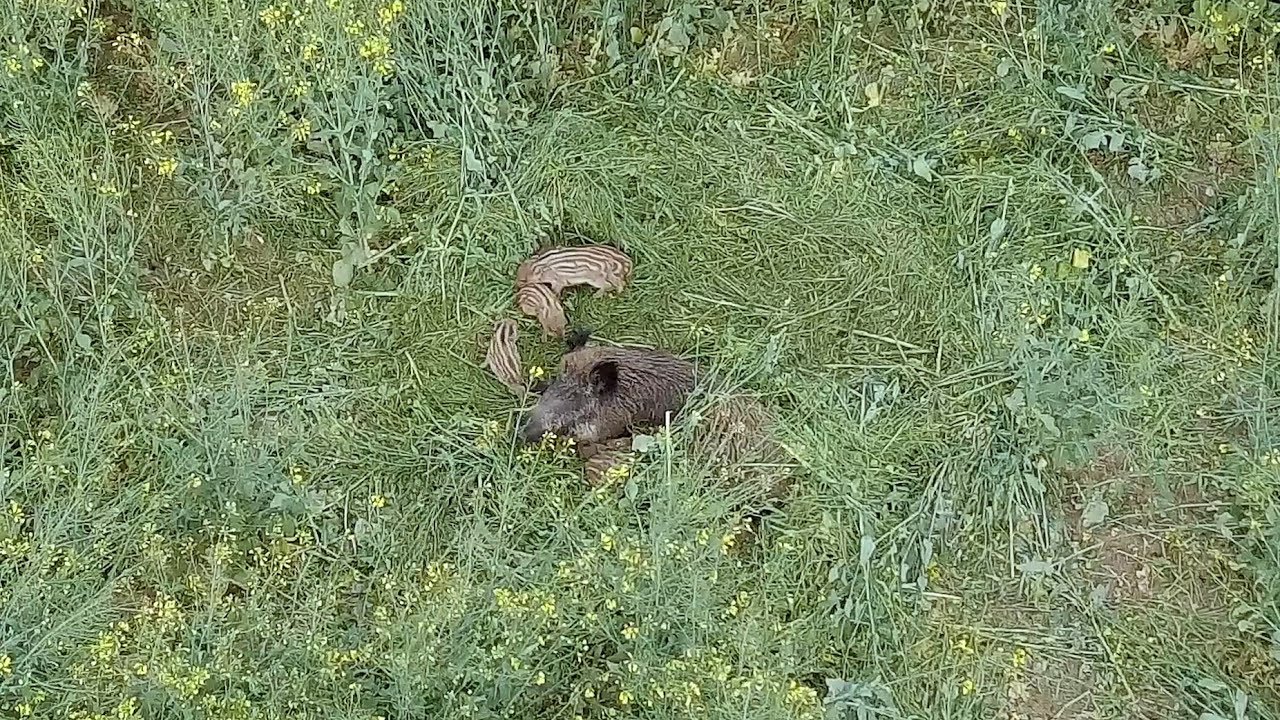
column 377, row 50
column 243, row 92
column 274, row 16
column 390, row 12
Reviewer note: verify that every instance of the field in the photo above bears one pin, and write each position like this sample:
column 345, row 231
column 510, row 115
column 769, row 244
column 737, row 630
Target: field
column 1005, row 273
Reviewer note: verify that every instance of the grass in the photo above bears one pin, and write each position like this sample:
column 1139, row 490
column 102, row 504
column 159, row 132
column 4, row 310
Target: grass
column 1005, row 274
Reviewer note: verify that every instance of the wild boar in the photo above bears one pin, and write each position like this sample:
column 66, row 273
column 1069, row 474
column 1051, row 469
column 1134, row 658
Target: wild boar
column 540, row 302
column 601, row 393
column 503, row 357
column 602, row 267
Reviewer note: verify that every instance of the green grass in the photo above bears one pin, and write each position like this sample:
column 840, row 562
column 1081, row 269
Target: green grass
column 1005, row 274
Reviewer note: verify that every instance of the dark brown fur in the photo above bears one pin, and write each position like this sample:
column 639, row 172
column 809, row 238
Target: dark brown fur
column 601, row 393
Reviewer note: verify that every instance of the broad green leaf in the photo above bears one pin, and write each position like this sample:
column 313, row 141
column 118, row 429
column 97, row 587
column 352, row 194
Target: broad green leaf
column 343, row 271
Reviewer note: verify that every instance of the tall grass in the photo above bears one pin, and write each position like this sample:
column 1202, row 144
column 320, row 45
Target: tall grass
column 1005, row 278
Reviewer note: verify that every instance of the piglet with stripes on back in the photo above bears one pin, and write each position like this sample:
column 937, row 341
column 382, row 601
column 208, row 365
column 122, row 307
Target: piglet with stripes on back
column 604, row 268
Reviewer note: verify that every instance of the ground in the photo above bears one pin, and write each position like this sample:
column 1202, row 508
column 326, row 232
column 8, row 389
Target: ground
column 1003, row 275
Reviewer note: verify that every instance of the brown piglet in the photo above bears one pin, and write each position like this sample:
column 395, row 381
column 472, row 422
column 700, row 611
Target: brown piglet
column 604, row 268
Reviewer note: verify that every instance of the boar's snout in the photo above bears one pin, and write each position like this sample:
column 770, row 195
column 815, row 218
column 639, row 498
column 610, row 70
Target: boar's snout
column 531, row 431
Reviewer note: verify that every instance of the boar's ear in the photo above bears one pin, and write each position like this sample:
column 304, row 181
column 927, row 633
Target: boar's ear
column 577, row 338
column 604, row 377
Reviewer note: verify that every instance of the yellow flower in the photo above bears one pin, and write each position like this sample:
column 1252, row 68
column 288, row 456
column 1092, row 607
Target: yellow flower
column 798, row 694
column 127, row 708
column 6, row 666
column 537, row 372
column 540, row 678
column 390, row 12
column 166, row 167
column 617, row 473
column 243, row 91
column 998, row 7
column 274, row 16
column 377, row 501
column 630, row 632
column 104, row 650
column 624, row 698
column 968, row 687
column 1037, row 272
column 377, row 50
column 301, row 130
